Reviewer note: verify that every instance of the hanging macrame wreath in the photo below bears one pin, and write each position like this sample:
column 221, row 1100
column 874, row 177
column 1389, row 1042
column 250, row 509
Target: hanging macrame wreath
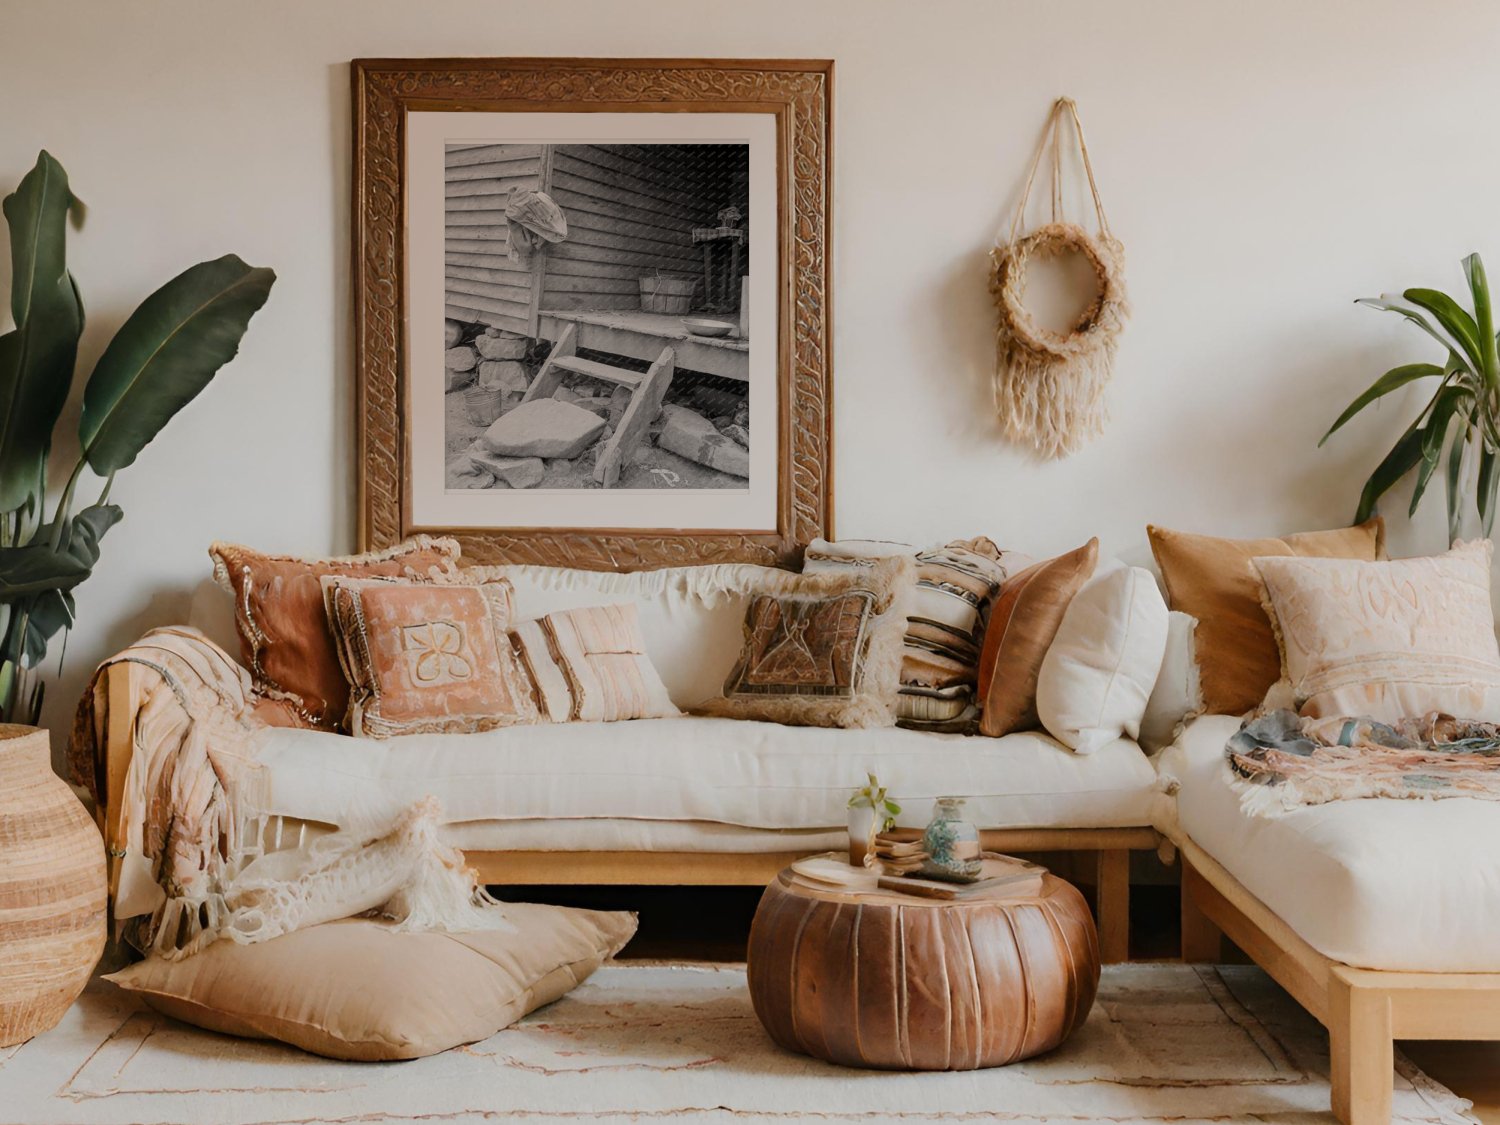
column 1049, row 386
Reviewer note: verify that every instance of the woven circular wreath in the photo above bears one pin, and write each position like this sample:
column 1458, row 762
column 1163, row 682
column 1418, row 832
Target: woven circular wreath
column 1096, row 326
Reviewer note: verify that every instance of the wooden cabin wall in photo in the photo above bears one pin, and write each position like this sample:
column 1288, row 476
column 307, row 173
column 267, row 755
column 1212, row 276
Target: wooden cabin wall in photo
column 630, row 211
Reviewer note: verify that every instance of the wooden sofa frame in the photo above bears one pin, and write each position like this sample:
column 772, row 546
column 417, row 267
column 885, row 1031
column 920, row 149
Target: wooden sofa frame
column 1111, row 846
column 1364, row 1010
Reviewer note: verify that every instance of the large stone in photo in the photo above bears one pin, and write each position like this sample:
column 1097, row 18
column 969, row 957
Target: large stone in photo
column 518, row 472
column 689, row 434
column 546, row 428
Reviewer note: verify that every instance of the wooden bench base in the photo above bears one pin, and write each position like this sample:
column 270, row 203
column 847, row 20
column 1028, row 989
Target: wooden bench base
column 1112, row 847
column 1364, row 1010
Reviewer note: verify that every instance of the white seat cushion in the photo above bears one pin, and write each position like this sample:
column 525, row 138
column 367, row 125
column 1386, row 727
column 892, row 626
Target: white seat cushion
column 1379, row 884
column 730, row 771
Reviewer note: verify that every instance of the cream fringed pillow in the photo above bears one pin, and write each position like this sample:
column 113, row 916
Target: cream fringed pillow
column 590, row 665
column 356, row 990
column 823, row 650
column 425, row 657
column 1388, row 640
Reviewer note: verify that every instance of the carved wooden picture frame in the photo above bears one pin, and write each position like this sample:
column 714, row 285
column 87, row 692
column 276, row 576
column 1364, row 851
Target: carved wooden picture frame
column 400, row 106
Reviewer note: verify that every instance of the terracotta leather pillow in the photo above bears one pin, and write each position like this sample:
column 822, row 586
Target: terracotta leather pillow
column 285, row 640
column 427, row 657
column 358, row 990
column 1023, row 622
column 1215, row 581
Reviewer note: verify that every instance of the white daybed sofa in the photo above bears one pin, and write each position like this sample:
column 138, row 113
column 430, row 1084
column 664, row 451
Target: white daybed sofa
column 1380, row 916
column 683, row 800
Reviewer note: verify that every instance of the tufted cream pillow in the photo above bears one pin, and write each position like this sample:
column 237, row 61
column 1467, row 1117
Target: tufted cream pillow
column 1390, row 640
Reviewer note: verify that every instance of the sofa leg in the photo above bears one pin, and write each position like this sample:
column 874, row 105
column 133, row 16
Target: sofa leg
column 1202, row 941
column 1112, row 886
column 1361, row 1052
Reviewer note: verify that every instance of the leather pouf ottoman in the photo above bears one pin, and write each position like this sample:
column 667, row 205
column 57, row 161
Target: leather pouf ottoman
column 889, row 980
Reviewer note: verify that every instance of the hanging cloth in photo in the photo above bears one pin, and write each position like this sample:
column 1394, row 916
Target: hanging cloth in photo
column 1049, row 386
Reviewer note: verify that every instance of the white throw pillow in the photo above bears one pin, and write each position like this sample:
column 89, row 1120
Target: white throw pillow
column 1098, row 674
column 1178, row 694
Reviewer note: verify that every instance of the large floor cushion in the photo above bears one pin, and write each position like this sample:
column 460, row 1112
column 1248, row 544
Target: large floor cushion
column 1379, row 884
column 729, row 771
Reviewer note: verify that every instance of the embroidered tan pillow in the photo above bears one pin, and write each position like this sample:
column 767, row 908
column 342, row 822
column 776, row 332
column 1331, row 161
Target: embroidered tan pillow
column 824, row 649
column 358, row 990
column 425, row 657
column 1213, row 580
column 284, row 635
column 1391, row 640
column 1025, row 619
column 590, row 665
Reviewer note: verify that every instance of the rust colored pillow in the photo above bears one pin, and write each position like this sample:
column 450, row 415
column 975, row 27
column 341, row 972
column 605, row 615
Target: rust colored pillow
column 1214, row 580
column 427, row 657
column 1023, row 622
column 284, row 635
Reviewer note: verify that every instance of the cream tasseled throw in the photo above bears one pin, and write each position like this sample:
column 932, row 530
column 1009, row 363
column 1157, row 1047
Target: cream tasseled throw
column 189, row 843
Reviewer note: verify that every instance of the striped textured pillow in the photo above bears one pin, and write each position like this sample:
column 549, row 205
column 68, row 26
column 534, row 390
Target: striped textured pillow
column 590, row 665
column 956, row 584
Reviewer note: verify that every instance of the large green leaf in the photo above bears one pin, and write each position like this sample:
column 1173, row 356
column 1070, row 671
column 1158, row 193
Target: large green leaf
column 1454, row 319
column 166, row 353
column 1394, row 379
column 1402, row 458
column 37, row 356
column 35, row 568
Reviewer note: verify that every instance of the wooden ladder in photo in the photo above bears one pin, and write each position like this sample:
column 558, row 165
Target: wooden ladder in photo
column 646, row 394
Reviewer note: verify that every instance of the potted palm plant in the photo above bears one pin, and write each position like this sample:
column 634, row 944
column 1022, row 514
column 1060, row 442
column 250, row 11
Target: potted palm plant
column 163, row 355
column 1457, row 426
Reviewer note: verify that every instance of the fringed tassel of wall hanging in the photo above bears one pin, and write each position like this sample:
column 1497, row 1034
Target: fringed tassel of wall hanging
column 1049, row 386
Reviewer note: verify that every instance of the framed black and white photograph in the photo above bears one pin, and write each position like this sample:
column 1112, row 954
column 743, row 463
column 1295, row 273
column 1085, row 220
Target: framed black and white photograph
column 597, row 345
column 596, row 313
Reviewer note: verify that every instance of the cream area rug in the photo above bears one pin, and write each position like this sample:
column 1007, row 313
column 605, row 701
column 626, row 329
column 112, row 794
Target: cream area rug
column 643, row 1042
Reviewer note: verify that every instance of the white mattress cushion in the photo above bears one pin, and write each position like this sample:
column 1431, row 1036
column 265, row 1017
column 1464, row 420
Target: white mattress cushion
column 730, row 771
column 1379, row 884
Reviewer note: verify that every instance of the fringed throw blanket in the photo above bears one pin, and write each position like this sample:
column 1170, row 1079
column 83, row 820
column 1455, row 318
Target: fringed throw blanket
column 1281, row 761
column 191, row 842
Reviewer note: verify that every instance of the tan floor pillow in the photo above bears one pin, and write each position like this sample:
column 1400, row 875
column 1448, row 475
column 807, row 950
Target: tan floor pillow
column 358, row 990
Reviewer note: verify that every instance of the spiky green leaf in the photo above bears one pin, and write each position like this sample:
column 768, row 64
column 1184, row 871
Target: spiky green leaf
column 1455, row 321
column 1392, row 380
column 1489, row 461
column 1402, row 458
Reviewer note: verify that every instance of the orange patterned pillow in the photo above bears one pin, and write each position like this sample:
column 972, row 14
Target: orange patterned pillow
column 284, row 635
column 590, row 665
column 425, row 657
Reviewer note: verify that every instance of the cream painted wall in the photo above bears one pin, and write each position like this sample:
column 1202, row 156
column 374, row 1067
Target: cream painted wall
column 1264, row 164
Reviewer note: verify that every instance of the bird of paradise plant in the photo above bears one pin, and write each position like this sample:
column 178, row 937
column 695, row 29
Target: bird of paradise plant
column 1458, row 426
column 162, row 356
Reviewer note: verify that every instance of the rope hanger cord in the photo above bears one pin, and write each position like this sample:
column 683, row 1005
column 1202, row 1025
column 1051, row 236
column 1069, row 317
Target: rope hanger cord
column 1049, row 386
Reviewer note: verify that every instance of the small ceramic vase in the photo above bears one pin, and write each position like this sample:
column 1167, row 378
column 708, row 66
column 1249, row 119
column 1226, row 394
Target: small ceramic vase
column 951, row 843
column 861, row 832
